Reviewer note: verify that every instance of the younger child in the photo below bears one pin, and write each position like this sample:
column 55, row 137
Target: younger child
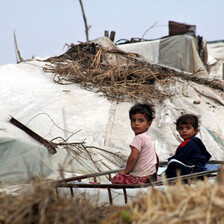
column 191, row 155
column 141, row 164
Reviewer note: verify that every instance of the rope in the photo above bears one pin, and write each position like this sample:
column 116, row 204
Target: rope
column 217, row 139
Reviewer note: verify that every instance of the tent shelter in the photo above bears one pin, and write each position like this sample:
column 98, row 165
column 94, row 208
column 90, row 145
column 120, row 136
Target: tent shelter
column 97, row 126
column 179, row 51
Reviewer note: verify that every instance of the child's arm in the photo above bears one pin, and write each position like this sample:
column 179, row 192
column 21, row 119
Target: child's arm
column 132, row 159
column 184, row 151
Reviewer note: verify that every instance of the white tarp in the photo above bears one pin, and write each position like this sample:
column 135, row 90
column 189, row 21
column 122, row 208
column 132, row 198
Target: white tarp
column 180, row 52
column 216, row 59
column 148, row 49
column 61, row 111
column 32, row 97
column 21, row 161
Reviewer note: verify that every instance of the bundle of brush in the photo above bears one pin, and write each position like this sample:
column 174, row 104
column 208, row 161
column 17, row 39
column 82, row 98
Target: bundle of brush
column 117, row 74
column 41, row 204
column 201, row 202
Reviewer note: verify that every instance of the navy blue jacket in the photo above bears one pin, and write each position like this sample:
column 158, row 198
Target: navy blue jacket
column 192, row 152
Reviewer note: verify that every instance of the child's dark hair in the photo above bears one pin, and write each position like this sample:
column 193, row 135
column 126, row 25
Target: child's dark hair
column 144, row 108
column 188, row 119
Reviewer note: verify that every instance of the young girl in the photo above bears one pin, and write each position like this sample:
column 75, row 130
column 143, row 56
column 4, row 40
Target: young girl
column 141, row 164
column 191, row 155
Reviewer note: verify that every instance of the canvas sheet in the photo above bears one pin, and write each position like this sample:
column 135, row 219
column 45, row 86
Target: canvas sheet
column 216, row 59
column 179, row 52
column 20, row 161
column 148, row 49
column 70, row 112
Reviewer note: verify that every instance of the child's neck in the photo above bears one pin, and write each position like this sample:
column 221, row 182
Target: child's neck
column 141, row 133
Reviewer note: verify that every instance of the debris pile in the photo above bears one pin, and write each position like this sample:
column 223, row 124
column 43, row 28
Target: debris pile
column 199, row 203
column 117, row 74
column 40, row 204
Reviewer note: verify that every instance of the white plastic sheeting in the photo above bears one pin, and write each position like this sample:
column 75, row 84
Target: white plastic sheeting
column 216, row 59
column 33, row 98
column 180, row 52
column 21, row 161
column 68, row 111
column 148, row 49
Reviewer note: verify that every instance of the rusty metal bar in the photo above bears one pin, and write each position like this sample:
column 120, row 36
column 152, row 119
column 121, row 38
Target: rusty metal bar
column 49, row 145
column 97, row 185
column 110, row 178
column 87, row 176
column 125, row 196
column 72, row 193
column 110, row 196
column 156, row 183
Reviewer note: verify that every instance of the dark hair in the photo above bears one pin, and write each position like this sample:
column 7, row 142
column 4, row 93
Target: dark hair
column 144, row 108
column 188, row 119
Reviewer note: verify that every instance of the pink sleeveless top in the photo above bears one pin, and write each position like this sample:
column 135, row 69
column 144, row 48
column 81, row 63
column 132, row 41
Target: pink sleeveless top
column 146, row 163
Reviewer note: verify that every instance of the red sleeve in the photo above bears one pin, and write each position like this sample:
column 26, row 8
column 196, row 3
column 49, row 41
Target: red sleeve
column 183, row 144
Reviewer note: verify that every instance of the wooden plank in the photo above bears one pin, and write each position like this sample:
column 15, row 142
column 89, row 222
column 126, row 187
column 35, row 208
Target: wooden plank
column 112, row 36
column 49, row 145
column 18, row 53
column 106, row 33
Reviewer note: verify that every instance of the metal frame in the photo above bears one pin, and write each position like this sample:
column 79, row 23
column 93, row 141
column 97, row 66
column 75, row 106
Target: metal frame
column 72, row 186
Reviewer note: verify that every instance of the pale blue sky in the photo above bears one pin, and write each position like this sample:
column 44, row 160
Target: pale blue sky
column 43, row 27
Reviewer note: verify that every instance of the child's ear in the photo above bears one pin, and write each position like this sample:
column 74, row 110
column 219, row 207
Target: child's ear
column 196, row 130
column 149, row 123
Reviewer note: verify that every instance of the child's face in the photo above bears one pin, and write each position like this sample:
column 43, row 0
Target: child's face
column 187, row 131
column 139, row 123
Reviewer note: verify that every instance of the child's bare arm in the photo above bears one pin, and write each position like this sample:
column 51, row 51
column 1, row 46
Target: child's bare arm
column 132, row 159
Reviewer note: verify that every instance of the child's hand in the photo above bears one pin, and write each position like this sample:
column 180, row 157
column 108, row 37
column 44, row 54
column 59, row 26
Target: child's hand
column 121, row 172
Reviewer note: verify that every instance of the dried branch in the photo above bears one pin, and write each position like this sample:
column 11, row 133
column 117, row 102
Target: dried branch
column 118, row 75
column 85, row 21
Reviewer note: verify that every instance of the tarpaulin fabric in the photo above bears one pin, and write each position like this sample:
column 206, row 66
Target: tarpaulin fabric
column 148, row 49
column 54, row 110
column 180, row 52
column 20, row 161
